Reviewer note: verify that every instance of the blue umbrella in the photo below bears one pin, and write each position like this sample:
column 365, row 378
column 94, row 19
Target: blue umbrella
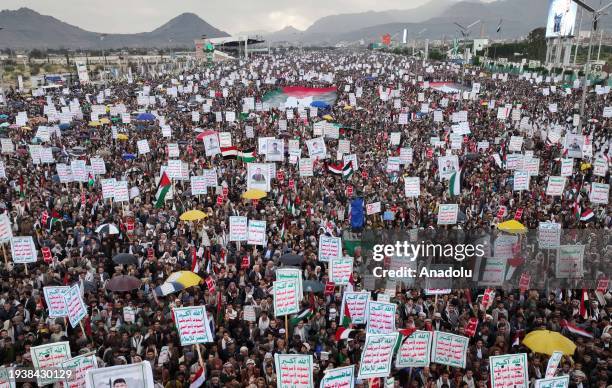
column 64, row 126
column 129, row 156
column 145, row 117
column 168, row 288
column 3, row 116
column 320, row 104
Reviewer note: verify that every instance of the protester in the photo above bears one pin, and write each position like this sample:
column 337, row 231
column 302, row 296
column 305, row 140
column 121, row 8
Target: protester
column 377, row 95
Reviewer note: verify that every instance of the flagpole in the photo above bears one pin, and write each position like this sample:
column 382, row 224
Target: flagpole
column 286, row 329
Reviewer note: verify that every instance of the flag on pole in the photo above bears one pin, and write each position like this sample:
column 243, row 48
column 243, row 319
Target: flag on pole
column 347, row 170
column 499, row 26
column 454, row 185
column 247, row 156
column 229, row 152
column 162, row 190
column 346, row 317
column 303, row 315
column 199, row 379
column 195, row 265
column 343, row 333
column 575, row 329
column 587, row 215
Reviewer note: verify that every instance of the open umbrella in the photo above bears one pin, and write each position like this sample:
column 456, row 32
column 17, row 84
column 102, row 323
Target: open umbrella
column 123, row 283
column 122, row 136
column 3, row 116
column 94, row 124
column 104, row 120
column 547, row 342
column 254, row 194
column 327, row 117
column 107, row 229
column 145, row 117
column 512, row 226
column 291, row 259
column 127, row 156
column 193, row 215
column 178, row 281
column 312, row 285
column 125, row 258
column 320, row 104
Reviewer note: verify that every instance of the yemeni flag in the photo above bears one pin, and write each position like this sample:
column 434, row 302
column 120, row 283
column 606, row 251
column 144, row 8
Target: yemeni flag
column 195, row 265
column 199, row 379
column 229, row 152
column 303, row 315
column 575, row 329
column 454, row 184
column 280, row 95
column 247, row 156
column 343, row 333
column 587, row 215
column 583, row 304
column 163, row 187
column 337, row 168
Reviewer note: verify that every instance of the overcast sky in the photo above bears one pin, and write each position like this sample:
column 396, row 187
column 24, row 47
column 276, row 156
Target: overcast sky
column 128, row 16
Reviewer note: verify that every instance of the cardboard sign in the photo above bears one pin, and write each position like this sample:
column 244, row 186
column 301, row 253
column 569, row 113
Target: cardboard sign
column 340, row 270
column 23, row 250
column 330, row 287
column 192, row 325
column 343, row 377
column 569, row 264
column 256, row 232
column 77, row 309
column 449, row 349
column 447, row 214
column 509, row 370
column 54, row 298
column 554, row 382
column 49, row 356
column 377, row 355
column 329, row 248
column 549, row 235
column 553, row 364
column 238, row 228
column 381, row 317
column 79, row 367
column 294, row 370
column 285, row 297
column 357, row 303
column 470, row 328
column 600, row 193
column 555, row 186
column 412, row 187
column 415, row 350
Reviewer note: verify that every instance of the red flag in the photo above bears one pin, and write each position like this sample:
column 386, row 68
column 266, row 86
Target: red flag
column 47, row 256
column 470, row 328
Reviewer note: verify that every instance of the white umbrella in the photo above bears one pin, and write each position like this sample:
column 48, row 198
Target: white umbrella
column 107, row 229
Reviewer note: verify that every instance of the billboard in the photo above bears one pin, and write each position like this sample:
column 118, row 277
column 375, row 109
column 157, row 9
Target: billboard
column 561, row 18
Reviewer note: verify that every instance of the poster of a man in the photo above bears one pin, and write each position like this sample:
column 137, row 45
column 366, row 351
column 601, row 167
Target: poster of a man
column 139, row 375
column 275, row 150
column 211, row 145
column 573, row 145
column 447, row 166
column 258, row 176
column 316, row 148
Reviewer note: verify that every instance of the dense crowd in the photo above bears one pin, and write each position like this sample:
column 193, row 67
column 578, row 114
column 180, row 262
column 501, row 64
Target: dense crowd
column 296, row 215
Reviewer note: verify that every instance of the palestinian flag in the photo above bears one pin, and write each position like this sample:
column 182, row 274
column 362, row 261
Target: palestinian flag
column 347, row 170
column 346, row 317
column 90, row 180
column 587, row 215
column 303, row 315
column 454, row 184
column 247, row 156
column 280, row 95
column 163, row 187
column 47, row 221
column 229, row 152
column 343, row 333
column 199, row 379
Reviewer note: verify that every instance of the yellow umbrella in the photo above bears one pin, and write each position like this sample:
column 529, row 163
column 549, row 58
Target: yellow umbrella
column 348, row 107
column 26, row 128
column 122, row 136
column 193, row 215
column 104, row 120
column 585, row 166
column 186, row 278
column 327, row 117
column 512, row 226
column 94, row 124
column 254, row 194
column 547, row 342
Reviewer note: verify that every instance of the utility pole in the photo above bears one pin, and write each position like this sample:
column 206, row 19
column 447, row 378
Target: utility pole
column 596, row 15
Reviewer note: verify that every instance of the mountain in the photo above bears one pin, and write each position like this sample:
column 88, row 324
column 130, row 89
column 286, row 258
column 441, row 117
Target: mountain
column 27, row 29
column 339, row 24
column 287, row 34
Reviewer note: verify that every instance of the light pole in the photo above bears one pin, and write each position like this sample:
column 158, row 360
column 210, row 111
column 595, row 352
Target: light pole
column 465, row 33
column 2, row 78
column 596, row 15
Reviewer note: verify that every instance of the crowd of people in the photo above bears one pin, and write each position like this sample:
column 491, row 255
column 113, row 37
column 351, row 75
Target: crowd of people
column 373, row 92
